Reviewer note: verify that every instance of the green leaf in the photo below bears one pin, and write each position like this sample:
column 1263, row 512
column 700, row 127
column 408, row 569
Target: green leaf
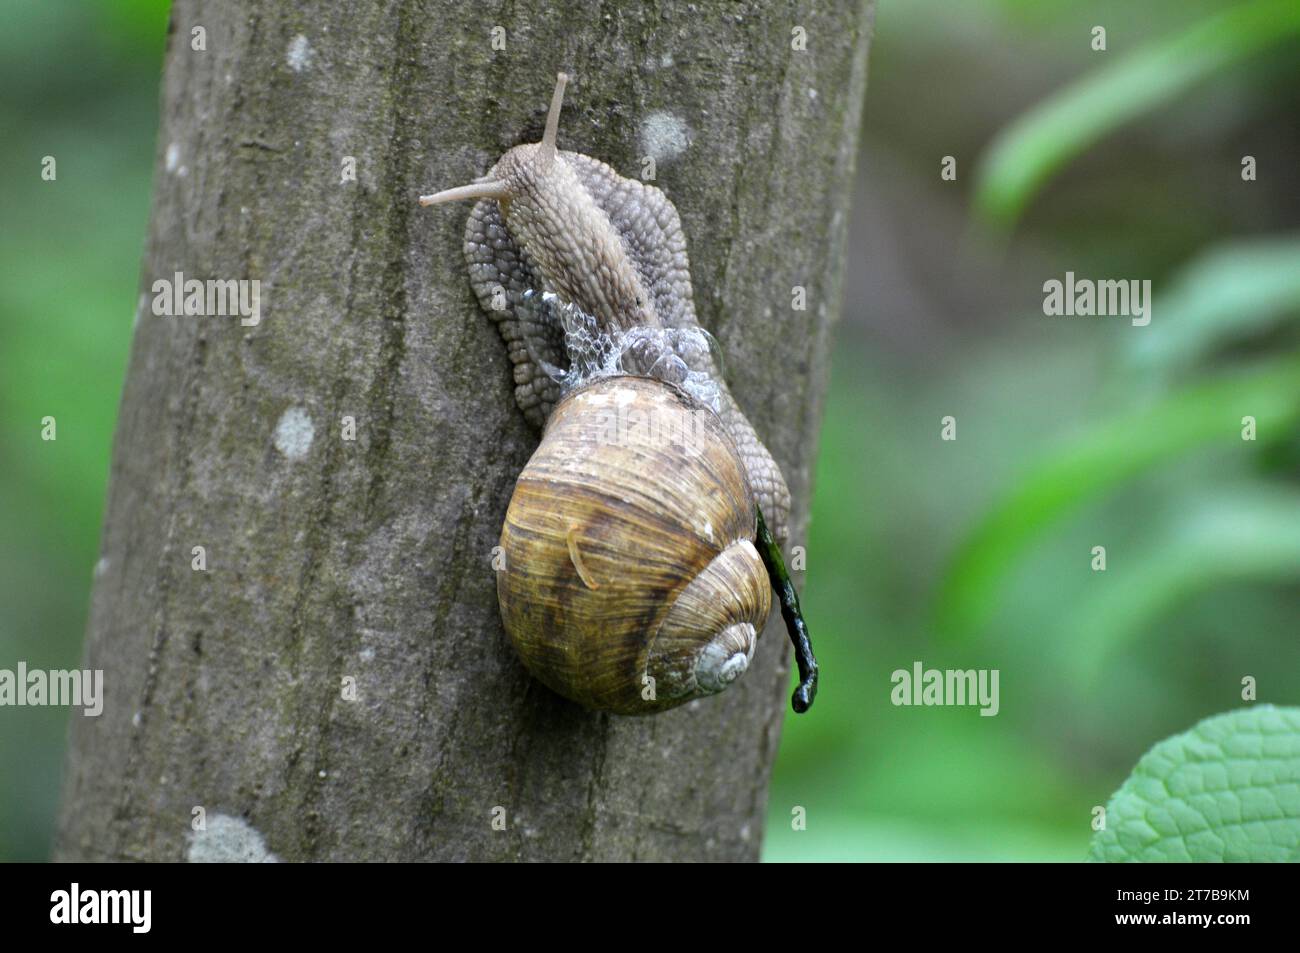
column 1114, row 451
column 1026, row 154
column 1249, row 531
column 1226, row 294
column 1228, row 790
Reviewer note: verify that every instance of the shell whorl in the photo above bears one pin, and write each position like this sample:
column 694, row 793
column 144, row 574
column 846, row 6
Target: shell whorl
column 725, row 658
column 707, row 638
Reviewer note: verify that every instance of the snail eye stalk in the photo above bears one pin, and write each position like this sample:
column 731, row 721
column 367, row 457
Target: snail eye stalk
column 770, row 552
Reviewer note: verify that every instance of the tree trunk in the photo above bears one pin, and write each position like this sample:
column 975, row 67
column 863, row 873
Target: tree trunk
column 328, row 559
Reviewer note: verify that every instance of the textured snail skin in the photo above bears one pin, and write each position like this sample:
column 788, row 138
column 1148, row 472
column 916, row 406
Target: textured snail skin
column 605, row 243
column 681, row 623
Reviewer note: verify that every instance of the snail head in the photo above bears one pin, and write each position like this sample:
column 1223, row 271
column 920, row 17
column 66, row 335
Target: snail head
column 567, row 236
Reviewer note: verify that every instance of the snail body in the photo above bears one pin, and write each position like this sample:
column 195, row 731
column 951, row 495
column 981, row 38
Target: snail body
column 637, row 574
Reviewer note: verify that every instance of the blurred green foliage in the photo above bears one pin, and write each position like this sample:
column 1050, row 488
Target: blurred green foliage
column 1105, row 458
column 1068, row 122
column 80, row 83
column 1072, row 433
column 969, row 554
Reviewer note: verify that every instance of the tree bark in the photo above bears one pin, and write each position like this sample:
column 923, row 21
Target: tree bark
column 370, row 559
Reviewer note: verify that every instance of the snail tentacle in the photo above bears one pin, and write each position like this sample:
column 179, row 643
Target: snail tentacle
column 475, row 190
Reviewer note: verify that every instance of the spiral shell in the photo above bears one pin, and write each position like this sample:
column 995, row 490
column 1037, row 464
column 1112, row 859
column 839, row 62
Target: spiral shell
column 631, row 582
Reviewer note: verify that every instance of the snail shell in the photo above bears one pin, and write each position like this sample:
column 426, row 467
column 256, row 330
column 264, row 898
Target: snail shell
column 632, row 583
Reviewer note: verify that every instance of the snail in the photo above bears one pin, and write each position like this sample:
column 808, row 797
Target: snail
column 638, row 559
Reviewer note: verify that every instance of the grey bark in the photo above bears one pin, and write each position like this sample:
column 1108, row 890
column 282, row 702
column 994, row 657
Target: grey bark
column 370, row 559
